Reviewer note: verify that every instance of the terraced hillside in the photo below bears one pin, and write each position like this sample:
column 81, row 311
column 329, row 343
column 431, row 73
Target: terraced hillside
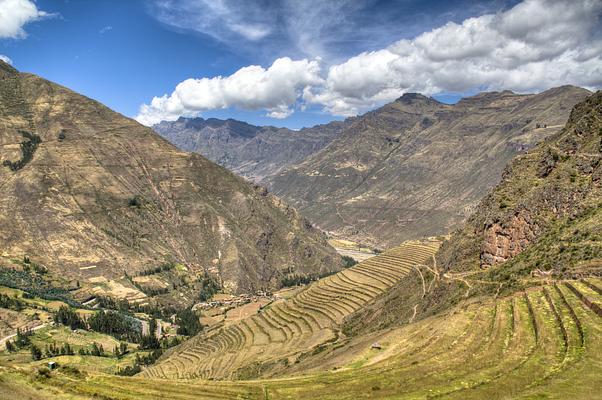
column 282, row 332
column 545, row 342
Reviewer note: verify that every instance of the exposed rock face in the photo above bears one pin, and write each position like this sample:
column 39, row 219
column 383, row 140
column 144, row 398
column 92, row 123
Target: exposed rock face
column 99, row 194
column 552, row 189
column 417, row 167
column 531, row 226
column 250, row 151
column 503, row 241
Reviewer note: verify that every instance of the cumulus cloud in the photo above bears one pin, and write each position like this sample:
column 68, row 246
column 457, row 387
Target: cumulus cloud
column 275, row 89
column 533, row 46
column 14, row 14
column 5, row 59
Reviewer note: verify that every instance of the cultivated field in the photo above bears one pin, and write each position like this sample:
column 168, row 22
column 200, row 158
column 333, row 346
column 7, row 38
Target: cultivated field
column 542, row 343
column 281, row 333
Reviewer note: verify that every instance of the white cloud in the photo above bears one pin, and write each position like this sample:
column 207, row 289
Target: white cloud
column 14, row 14
column 331, row 29
column 533, row 46
column 275, row 89
column 225, row 20
column 105, row 29
column 5, row 59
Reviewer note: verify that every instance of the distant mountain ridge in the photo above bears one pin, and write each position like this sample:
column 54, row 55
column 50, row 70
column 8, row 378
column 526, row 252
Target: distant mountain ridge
column 253, row 152
column 417, row 167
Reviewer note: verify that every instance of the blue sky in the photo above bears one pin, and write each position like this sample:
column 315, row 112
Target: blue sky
column 338, row 57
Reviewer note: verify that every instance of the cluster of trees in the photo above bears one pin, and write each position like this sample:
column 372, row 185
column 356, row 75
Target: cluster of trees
column 296, row 280
column 94, row 350
column 116, row 324
column 209, row 287
column 69, row 317
column 30, row 281
column 147, row 359
column 22, row 340
column 151, row 291
column 12, row 303
column 150, row 341
column 124, row 306
column 121, row 350
column 53, row 350
column 188, row 323
column 156, row 270
column 28, row 148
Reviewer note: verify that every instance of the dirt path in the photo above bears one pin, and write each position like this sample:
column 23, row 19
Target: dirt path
column 4, row 339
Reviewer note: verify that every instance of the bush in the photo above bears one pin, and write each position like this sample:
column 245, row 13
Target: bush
column 135, row 201
column 349, row 261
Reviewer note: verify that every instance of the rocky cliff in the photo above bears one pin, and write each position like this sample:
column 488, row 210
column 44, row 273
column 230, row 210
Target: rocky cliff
column 542, row 221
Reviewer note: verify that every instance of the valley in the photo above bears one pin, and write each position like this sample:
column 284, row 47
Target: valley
column 416, row 249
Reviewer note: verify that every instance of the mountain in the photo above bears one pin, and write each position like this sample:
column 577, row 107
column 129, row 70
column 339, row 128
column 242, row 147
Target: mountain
column 541, row 223
column 417, row 167
column 91, row 194
column 250, row 151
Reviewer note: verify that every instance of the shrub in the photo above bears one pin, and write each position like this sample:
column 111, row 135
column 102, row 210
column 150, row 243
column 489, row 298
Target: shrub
column 28, row 148
column 135, row 201
column 349, row 261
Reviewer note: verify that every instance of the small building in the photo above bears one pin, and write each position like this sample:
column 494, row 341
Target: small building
column 52, row 365
column 376, row 346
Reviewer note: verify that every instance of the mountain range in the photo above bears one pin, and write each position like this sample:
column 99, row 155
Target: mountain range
column 413, row 168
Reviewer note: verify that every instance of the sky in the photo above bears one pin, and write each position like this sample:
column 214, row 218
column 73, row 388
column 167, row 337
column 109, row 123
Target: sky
column 297, row 63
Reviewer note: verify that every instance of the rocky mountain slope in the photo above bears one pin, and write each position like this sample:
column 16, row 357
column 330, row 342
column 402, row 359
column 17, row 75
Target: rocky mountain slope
column 542, row 222
column 250, row 151
column 417, row 167
column 90, row 193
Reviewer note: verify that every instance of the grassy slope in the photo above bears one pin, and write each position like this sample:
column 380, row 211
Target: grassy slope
column 541, row 343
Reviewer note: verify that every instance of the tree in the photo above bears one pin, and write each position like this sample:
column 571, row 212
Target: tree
column 188, row 322
column 10, row 347
column 68, row 316
column 97, row 351
column 22, row 338
column 36, row 353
